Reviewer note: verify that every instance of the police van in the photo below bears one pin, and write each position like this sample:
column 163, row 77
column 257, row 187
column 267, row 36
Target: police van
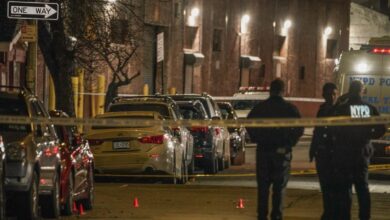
column 371, row 65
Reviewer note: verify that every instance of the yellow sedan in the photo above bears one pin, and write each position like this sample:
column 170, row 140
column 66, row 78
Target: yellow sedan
column 136, row 149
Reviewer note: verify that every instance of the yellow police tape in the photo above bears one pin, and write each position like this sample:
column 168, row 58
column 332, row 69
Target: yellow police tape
column 123, row 122
column 292, row 172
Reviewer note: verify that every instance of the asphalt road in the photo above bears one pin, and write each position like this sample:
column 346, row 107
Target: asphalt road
column 217, row 197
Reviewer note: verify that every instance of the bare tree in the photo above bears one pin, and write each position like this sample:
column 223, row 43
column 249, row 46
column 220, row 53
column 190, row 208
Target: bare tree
column 93, row 34
column 110, row 36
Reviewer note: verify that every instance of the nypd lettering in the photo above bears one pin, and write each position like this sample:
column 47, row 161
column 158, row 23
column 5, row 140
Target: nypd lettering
column 360, row 111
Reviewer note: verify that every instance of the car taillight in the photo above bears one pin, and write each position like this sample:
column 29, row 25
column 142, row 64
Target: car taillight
column 51, row 151
column 381, row 50
column 94, row 142
column 158, row 139
column 217, row 131
column 200, row 129
column 199, row 156
column 387, row 150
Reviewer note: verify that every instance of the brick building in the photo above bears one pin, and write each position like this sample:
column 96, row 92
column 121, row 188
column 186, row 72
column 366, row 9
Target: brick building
column 215, row 46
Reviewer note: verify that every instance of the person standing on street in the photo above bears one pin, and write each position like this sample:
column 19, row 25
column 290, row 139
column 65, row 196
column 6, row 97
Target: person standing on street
column 273, row 152
column 352, row 152
column 321, row 150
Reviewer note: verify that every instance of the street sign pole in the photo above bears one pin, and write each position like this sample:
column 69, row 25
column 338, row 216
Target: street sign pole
column 33, row 11
column 160, row 58
column 32, row 60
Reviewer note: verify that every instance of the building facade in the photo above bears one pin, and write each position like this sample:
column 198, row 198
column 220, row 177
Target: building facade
column 217, row 46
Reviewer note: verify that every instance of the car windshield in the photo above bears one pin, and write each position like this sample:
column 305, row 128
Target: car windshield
column 190, row 112
column 244, row 104
column 148, row 107
column 14, row 107
column 201, row 99
column 226, row 113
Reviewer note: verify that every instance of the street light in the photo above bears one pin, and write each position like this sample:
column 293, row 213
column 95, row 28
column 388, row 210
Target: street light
column 192, row 17
column 327, row 31
column 286, row 25
column 244, row 23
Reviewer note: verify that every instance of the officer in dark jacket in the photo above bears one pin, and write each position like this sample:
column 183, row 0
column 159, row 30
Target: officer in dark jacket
column 352, row 152
column 321, row 149
column 273, row 153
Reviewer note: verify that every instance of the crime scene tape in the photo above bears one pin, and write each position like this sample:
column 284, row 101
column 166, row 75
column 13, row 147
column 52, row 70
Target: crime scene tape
column 292, row 172
column 124, row 122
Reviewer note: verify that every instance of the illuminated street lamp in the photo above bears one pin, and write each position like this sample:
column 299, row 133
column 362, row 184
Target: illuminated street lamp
column 192, row 17
column 287, row 24
column 327, row 31
column 244, row 23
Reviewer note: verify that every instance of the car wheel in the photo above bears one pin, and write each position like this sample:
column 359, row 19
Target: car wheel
column 221, row 161
column 216, row 165
column 67, row 208
column 227, row 163
column 211, row 166
column 88, row 202
column 184, row 173
column 51, row 204
column 29, row 201
column 191, row 167
column 239, row 159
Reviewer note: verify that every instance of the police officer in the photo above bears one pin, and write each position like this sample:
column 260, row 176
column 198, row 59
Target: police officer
column 352, row 152
column 321, row 150
column 273, row 153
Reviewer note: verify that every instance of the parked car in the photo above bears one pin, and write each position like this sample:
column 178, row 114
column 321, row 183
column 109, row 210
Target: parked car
column 33, row 160
column 237, row 135
column 77, row 184
column 222, row 148
column 168, row 110
column 137, row 149
column 205, row 153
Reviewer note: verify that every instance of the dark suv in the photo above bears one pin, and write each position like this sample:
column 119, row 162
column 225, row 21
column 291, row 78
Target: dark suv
column 32, row 157
column 237, row 134
column 222, row 148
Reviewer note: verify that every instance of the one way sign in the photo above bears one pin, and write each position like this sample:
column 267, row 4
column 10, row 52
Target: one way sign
column 32, row 10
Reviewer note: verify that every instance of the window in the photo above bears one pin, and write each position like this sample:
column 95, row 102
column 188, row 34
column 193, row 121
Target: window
column 302, row 73
column 217, row 40
column 190, row 37
column 331, row 49
column 279, row 45
column 119, row 31
column 262, row 71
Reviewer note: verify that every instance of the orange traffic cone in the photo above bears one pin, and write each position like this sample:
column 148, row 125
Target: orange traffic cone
column 135, row 203
column 75, row 210
column 240, row 204
column 81, row 209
